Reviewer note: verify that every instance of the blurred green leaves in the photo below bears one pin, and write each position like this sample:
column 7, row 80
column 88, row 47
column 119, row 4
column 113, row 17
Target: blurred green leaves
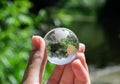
column 16, row 29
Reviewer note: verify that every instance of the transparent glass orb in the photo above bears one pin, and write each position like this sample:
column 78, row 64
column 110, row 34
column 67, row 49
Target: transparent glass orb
column 62, row 45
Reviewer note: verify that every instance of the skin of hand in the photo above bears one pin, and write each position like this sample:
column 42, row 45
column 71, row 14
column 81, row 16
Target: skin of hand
column 75, row 72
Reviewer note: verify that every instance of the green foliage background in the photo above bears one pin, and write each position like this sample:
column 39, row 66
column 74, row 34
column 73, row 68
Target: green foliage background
column 18, row 24
column 16, row 29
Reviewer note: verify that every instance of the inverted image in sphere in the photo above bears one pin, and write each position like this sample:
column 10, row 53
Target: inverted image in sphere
column 62, row 45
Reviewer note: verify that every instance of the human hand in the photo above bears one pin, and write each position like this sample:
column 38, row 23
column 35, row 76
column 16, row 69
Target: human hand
column 75, row 72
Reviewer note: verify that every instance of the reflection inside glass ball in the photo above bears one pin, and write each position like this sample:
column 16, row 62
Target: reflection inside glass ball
column 62, row 45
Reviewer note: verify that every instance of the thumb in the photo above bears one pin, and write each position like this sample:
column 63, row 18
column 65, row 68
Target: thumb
column 34, row 70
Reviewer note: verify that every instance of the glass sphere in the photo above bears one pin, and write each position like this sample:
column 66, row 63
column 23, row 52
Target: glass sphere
column 62, row 45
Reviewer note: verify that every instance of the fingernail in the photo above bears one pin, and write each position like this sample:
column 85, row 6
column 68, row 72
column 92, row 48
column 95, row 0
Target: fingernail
column 38, row 46
column 81, row 47
column 76, row 63
column 35, row 43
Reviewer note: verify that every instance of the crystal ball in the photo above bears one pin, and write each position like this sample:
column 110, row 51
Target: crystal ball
column 62, row 45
